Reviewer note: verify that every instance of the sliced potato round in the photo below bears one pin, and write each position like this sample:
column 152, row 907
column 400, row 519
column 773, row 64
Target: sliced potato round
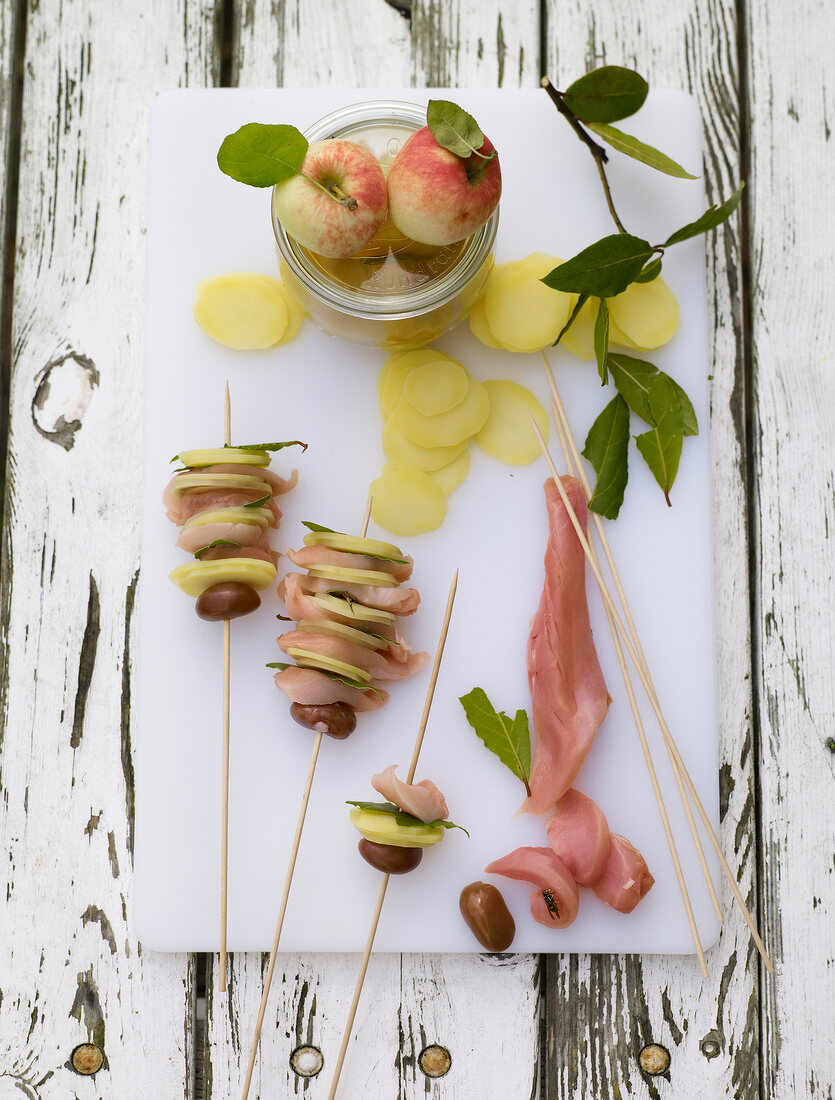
column 448, row 428
column 255, row 517
column 579, row 339
column 394, row 371
column 382, row 828
column 646, row 313
column 213, row 456
column 342, row 575
column 407, row 502
column 296, row 314
column 350, row 609
column 354, row 544
column 306, row 658
column 340, row 630
column 479, row 327
column 436, row 387
column 247, row 483
column 405, row 454
column 449, row 477
column 521, row 312
column 194, row 577
column 242, row 310
column 508, row 434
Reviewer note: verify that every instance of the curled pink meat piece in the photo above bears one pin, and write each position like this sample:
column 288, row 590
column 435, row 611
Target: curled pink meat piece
column 422, row 800
column 578, row 833
column 378, row 664
column 305, row 685
column 309, row 556
column 556, row 900
column 400, row 601
column 569, row 697
column 192, row 538
column 625, row 878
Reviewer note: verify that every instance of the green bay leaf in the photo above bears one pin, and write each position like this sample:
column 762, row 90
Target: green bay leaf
column 712, row 217
column 453, row 128
column 268, row 446
column 581, row 301
column 606, row 448
column 660, row 447
column 604, row 269
column 508, row 739
column 639, row 150
column 633, row 378
column 262, row 155
column 601, row 340
column 606, row 94
column 650, row 272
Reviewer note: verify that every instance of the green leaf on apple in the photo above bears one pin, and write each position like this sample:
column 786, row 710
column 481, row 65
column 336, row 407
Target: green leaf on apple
column 712, row 217
column 639, row 150
column 661, row 446
column 606, row 94
column 606, row 449
column 604, row 269
column 601, row 340
column 454, row 129
column 262, row 155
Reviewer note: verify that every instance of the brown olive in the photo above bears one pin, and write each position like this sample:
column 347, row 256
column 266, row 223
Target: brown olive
column 389, row 857
column 227, row 600
column 488, row 918
column 335, row 719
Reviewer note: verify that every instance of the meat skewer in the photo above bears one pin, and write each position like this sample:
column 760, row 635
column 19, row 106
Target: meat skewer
column 320, row 702
column 224, row 501
column 381, row 897
column 643, row 674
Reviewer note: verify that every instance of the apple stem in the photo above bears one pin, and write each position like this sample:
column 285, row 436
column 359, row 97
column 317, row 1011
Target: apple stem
column 597, row 151
column 334, row 191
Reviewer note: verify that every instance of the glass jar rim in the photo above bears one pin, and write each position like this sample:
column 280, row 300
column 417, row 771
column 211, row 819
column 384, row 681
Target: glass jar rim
column 413, row 301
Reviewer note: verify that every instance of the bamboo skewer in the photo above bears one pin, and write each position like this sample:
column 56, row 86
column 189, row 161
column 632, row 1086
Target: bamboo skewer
column 381, row 897
column 572, row 458
column 224, row 782
column 288, row 880
column 643, row 675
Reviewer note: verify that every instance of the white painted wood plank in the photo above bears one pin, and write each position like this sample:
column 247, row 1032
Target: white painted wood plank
column 792, row 103
column 410, row 1000
column 71, row 969
column 602, row 1010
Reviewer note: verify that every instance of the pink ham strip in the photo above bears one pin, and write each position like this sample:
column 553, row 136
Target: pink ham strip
column 422, row 800
column 625, row 878
column 379, row 665
column 578, row 833
column 309, row 556
column 568, row 694
column 546, row 871
column 181, row 508
column 304, row 685
column 400, row 601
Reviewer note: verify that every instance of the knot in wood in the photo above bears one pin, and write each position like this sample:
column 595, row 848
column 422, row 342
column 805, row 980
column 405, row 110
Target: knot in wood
column 306, row 1061
column 434, row 1060
column 87, row 1059
column 654, row 1059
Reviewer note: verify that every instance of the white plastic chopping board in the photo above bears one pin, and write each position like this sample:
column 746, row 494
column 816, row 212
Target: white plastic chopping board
column 323, row 391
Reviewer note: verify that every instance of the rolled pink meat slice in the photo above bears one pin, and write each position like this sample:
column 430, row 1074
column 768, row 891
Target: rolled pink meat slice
column 181, row 508
column 556, row 900
column 305, row 685
column 309, row 556
column 192, row 538
column 625, row 878
column 380, row 665
column 568, row 694
column 279, row 485
column 578, row 833
column 422, row 800
column 400, row 601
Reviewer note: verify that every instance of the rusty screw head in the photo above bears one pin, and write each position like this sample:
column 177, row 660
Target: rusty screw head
column 87, row 1059
column 654, row 1059
column 306, row 1061
column 435, row 1060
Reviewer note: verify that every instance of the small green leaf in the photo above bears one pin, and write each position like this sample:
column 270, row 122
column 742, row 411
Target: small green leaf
column 262, row 155
column 581, row 301
column 401, row 817
column 318, row 528
column 639, row 150
column 606, row 94
column 633, row 378
column 604, row 269
column 211, row 545
column 607, row 446
column 650, row 272
column 267, row 446
column 601, row 340
column 453, row 128
column 661, row 446
column 259, row 502
column 712, row 217
column 689, row 421
column 509, row 740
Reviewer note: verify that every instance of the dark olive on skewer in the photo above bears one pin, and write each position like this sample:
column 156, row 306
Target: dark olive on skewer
column 488, row 918
column 389, row 858
column 227, row 600
column 337, row 720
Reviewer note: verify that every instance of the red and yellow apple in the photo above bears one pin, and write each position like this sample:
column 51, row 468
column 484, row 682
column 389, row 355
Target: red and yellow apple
column 337, row 203
column 437, row 197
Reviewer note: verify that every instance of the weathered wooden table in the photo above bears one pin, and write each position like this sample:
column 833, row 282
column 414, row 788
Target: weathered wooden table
column 76, row 81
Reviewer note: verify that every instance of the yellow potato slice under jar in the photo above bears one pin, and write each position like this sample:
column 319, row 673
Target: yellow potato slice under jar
column 521, row 312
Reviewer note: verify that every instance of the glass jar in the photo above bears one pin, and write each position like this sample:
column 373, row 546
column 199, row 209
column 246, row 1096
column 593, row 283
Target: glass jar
column 393, row 298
